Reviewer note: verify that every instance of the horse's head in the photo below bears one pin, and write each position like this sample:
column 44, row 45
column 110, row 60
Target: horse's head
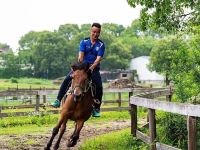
column 79, row 79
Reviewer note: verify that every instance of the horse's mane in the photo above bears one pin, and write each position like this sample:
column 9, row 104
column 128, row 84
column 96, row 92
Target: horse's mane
column 80, row 66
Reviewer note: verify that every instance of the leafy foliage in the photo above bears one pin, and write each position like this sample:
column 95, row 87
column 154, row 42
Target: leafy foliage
column 167, row 15
column 177, row 59
column 174, row 130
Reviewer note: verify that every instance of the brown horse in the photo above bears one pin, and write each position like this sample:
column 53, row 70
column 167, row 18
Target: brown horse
column 77, row 106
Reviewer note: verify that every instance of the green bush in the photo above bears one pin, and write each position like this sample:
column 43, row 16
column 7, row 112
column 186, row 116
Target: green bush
column 27, row 120
column 13, row 80
column 172, row 130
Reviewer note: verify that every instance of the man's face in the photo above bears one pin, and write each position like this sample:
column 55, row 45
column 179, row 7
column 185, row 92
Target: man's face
column 95, row 32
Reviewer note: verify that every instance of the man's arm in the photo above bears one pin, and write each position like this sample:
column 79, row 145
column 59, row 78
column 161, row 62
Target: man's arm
column 96, row 62
column 80, row 57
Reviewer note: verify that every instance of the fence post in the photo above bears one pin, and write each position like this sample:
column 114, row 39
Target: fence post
column 37, row 103
column 119, row 100
column 169, row 97
column 129, row 97
column 192, row 132
column 0, row 110
column 133, row 119
column 44, row 97
column 152, row 128
column 30, row 95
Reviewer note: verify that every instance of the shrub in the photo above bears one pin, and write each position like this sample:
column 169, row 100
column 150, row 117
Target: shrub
column 173, row 130
column 13, row 80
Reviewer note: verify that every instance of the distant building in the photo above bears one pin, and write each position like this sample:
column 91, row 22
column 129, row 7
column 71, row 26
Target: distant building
column 117, row 74
column 3, row 50
column 140, row 65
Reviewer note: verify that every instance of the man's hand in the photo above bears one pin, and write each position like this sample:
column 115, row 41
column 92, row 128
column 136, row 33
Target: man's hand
column 91, row 68
column 90, row 72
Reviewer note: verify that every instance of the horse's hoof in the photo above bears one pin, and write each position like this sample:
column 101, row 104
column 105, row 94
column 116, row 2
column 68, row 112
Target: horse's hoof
column 47, row 148
column 55, row 147
column 71, row 143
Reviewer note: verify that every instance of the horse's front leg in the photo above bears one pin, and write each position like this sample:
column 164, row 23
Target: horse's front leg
column 62, row 131
column 54, row 133
column 75, row 136
column 56, row 129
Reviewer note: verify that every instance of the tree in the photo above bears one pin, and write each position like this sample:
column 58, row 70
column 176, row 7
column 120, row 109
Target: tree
column 29, row 40
column 142, row 46
column 139, row 42
column 52, row 55
column 68, row 30
column 27, row 45
column 177, row 59
column 161, row 57
column 85, row 30
column 46, row 54
column 113, row 29
column 10, row 67
column 116, row 57
column 168, row 15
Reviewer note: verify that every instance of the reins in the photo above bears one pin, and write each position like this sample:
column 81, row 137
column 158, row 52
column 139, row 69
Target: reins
column 83, row 90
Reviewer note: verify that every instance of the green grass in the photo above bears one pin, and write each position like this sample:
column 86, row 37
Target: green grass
column 26, row 83
column 18, row 130
column 117, row 140
column 30, row 124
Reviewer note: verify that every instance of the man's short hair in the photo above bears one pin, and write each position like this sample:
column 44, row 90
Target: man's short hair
column 98, row 25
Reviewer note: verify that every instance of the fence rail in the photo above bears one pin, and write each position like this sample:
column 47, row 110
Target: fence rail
column 41, row 99
column 145, row 100
column 40, row 96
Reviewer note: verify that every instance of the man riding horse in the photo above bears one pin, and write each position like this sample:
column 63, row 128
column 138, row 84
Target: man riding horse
column 91, row 51
column 77, row 107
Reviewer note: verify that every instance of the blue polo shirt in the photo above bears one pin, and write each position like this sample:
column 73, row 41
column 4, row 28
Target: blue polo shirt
column 91, row 51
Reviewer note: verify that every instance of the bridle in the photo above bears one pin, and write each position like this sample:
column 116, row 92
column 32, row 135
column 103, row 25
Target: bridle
column 83, row 90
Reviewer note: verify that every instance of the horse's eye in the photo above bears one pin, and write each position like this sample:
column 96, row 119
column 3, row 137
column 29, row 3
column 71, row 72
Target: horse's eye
column 72, row 76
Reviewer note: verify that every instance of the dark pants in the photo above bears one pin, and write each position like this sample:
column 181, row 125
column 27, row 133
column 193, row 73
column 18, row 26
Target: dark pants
column 96, row 79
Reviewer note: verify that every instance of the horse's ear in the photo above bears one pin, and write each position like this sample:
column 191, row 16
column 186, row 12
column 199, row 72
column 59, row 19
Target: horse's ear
column 75, row 66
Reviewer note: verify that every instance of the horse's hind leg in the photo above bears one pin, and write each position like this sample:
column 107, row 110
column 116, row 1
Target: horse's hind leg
column 62, row 131
column 75, row 136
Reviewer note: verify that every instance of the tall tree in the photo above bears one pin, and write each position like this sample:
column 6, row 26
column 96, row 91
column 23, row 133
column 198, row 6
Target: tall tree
column 51, row 55
column 113, row 29
column 168, row 15
column 85, row 30
column 117, row 57
column 10, row 66
column 162, row 55
column 177, row 59
column 68, row 30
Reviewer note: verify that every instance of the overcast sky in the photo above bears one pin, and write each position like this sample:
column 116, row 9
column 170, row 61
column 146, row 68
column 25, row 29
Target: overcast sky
column 18, row 17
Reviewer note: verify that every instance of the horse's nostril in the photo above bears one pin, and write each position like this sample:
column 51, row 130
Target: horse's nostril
column 76, row 97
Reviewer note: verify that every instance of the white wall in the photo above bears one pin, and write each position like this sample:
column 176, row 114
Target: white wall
column 140, row 64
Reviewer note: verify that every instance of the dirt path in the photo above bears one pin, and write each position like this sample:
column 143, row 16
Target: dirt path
column 37, row 142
